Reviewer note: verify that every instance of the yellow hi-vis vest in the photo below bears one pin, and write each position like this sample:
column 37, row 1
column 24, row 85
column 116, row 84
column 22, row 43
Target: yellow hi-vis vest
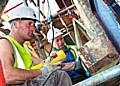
column 22, row 57
column 73, row 50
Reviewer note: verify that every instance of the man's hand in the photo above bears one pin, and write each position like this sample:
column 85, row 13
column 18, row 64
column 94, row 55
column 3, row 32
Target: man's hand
column 49, row 67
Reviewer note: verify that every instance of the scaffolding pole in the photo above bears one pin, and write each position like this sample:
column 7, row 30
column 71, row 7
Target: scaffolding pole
column 101, row 77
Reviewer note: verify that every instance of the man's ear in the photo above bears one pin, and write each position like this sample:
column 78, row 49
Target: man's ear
column 15, row 24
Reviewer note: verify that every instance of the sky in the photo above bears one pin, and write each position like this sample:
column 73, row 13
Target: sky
column 53, row 6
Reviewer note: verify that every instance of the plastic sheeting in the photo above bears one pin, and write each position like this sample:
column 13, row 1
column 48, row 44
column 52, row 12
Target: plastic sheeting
column 108, row 19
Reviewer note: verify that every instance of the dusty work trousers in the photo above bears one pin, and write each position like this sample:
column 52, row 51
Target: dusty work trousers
column 58, row 78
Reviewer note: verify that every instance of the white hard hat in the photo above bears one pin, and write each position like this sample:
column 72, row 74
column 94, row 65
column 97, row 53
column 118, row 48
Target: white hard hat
column 21, row 13
column 56, row 33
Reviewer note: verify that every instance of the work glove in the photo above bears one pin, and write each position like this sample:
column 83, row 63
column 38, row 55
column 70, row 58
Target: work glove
column 50, row 67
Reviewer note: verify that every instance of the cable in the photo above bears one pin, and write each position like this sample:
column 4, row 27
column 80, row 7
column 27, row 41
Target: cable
column 43, row 84
column 25, row 2
column 43, row 24
column 49, row 10
column 52, row 41
column 52, row 26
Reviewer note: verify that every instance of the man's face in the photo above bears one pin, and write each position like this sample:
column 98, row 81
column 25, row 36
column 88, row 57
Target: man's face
column 25, row 29
column 58, row 42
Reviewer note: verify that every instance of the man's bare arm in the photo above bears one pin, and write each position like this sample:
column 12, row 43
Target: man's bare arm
column 13, row 75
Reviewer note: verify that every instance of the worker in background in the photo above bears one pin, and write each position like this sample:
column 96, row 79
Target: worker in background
column 17, row 62
column 69, row 64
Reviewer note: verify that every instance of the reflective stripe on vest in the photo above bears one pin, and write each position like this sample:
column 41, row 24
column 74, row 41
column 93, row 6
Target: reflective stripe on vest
column 20, row 63
column 22, row 57
column 72, row 50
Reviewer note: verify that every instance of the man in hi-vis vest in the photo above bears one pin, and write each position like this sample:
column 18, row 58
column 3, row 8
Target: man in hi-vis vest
column 17, row 61
column 71, row 63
